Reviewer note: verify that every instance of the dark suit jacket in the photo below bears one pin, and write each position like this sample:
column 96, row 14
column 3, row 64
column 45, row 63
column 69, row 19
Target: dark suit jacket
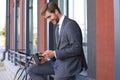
column 69, row 51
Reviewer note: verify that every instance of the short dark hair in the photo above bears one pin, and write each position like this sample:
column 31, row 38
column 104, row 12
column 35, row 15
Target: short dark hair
column 50, row 7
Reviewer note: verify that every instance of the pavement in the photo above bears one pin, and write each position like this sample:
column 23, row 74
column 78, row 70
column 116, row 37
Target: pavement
column 4, row 74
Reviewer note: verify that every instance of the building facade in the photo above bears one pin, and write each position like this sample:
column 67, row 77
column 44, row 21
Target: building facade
column 28, row 31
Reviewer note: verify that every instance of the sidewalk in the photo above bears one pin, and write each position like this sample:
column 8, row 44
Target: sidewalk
column 4, row 75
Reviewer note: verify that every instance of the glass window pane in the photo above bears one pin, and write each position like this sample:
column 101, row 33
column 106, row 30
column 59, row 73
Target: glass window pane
column 63, row 6
column 80, row 15
column 77, row 10
column 31, row 26
column 35, row 5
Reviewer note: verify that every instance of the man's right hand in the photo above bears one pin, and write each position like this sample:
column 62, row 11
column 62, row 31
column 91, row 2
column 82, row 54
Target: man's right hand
column 43, row 60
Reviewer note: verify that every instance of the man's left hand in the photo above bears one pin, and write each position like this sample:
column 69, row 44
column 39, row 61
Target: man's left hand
column 48, row 54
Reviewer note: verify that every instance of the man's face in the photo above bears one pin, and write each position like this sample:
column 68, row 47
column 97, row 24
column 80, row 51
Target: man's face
column 52, row 17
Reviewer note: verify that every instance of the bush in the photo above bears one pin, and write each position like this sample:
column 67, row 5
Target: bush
column 3, row 32
column 1, row 64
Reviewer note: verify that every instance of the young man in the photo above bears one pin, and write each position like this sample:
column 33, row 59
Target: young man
column 70, row 59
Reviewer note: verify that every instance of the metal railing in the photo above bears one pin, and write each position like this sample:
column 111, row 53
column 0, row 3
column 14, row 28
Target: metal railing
column 19, row 59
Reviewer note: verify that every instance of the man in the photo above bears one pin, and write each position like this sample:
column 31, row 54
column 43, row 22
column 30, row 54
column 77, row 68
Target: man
column 69, row 54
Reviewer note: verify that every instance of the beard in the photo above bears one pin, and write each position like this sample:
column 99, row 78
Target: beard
column 55, row 21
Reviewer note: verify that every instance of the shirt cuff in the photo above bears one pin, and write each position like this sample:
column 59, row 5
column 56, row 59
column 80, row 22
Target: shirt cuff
column 54, row 54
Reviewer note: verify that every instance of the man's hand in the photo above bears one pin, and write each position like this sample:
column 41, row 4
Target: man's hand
column 48, row 54
column 43, row 60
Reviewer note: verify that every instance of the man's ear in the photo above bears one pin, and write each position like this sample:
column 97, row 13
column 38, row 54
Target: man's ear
column 56, row 11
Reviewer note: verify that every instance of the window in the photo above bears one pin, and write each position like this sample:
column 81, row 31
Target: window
column 30, row 28
column 35, row 25
column 33, row 21
column 16, row 26
column 80, row 15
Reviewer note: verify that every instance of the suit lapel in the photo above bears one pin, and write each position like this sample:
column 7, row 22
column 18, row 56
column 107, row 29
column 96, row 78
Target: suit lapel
column 61, row 31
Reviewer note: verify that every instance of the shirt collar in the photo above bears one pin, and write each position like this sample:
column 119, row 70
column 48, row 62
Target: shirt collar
column 61, row 20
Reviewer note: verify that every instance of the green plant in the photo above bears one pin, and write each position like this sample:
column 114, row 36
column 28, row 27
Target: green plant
column 3, row 32
column 1, row 64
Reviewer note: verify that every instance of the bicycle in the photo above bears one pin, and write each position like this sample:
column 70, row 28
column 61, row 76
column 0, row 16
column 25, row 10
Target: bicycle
column 21, row 72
